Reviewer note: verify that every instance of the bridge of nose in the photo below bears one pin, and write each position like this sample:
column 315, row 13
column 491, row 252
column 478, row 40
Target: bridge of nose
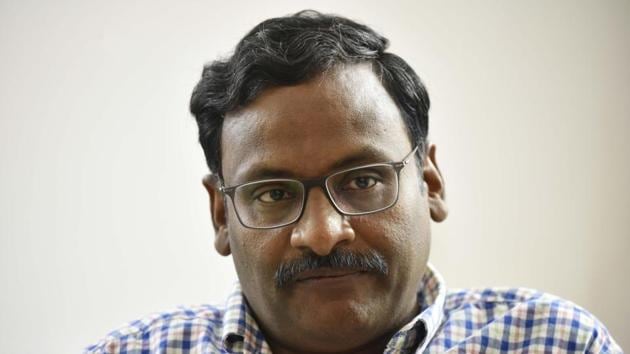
column 321, row 227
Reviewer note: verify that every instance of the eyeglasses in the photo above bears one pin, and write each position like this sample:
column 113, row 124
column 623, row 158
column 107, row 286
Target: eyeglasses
column 272, row 203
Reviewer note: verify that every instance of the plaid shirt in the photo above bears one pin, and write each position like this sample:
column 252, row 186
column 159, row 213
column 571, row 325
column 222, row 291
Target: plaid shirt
column 462, row 321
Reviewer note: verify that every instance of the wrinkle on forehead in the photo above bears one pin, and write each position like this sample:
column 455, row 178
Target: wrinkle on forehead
column 344, row 107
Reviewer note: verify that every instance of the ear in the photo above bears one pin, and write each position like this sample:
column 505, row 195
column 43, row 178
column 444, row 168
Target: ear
column 218, row 213
column 435, row 186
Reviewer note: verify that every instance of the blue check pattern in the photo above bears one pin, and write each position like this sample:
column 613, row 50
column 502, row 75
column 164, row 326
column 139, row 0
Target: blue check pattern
column 496, row 320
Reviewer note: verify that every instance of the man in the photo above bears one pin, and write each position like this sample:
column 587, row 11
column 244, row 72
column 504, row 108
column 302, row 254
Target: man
column 322, row 189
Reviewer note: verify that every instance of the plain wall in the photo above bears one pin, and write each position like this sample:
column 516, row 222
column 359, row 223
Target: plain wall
column 103, row 218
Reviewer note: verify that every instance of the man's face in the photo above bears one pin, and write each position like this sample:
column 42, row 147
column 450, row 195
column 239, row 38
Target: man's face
column 342, row 119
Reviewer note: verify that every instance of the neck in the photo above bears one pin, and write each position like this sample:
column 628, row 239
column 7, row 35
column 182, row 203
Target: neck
column 374, row 347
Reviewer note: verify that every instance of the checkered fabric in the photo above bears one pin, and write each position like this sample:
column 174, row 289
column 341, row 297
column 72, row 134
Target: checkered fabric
column 497, row 320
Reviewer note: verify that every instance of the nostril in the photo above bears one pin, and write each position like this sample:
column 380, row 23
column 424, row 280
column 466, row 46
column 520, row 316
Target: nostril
column 321, row 232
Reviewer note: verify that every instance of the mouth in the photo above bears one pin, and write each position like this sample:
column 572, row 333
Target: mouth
column 326, row 274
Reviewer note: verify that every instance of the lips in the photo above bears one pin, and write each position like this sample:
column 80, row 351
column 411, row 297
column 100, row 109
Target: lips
column 325, row 273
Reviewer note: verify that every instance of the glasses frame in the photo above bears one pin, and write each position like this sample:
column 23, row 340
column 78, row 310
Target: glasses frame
column 308, row 184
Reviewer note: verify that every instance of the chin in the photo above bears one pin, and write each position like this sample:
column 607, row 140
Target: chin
column 340, row 320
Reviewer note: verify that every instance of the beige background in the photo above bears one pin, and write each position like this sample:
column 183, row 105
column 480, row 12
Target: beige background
column 103, row 218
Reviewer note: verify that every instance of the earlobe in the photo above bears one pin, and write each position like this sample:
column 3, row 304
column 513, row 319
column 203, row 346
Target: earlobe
column 435, row 186
column 222, row 241
column 218, row 214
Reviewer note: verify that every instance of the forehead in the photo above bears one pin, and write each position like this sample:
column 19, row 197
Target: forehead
column 305, row 130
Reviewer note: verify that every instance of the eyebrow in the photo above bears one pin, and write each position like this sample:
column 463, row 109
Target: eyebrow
column 366, row 155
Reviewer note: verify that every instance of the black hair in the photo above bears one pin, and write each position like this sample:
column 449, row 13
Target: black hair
column 289, row 50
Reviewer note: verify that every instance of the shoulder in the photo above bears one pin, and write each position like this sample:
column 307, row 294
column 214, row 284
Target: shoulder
column 519, row 318
column 185, row 327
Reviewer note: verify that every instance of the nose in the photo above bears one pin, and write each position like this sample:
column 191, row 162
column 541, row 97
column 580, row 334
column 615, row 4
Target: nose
column 321, row 228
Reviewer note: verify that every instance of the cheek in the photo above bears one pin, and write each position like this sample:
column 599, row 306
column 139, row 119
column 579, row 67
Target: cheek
column 256, row 253
column 401, row 233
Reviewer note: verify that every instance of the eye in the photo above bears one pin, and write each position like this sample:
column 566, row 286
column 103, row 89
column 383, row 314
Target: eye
column 274, row 195
column 361, row 182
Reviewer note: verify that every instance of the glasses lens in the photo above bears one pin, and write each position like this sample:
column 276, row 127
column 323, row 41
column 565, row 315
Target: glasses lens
column 269, row 203
column 364, row 189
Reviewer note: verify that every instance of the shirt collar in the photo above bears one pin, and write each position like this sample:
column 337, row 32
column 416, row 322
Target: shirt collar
column 419, row 331
column 240, row 329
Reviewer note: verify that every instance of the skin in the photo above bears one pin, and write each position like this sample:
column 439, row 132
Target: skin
column 307, row 131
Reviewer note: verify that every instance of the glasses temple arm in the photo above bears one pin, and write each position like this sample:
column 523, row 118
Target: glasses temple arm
column 406, row 159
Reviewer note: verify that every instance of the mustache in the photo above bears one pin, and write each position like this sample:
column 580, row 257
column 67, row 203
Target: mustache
column 370, row 261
